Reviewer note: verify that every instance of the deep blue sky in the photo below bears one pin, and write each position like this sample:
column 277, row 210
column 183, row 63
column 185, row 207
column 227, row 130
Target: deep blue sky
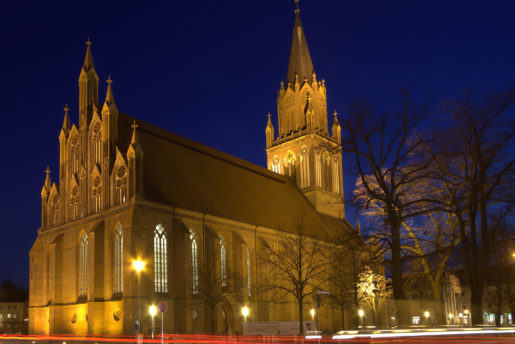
column 210, row 71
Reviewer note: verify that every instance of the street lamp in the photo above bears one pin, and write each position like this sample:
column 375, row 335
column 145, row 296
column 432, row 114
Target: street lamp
column 139, row 265
column 468, row 316
column 427, row 314
column 153, row 311
column 313, row 312
column 361, row 313
column 450, row 318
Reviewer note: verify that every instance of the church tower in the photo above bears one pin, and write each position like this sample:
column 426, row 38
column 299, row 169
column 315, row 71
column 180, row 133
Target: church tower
column 303, row 148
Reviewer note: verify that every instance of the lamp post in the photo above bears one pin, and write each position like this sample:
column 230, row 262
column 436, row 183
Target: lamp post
column 361, row 313
column 153, row 311
column 138, row 265
column 312, row 312
column 245, row 313
column 427, row 314
column 450, row 319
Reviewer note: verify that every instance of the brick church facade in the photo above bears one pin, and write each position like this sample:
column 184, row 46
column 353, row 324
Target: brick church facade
column 129, row 190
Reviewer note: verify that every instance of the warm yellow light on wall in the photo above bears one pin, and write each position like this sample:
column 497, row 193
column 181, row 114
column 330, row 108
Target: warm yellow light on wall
column 138, row 265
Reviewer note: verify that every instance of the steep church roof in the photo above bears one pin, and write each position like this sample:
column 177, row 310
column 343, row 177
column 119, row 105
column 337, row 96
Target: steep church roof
column 300, row 59
column 184, row 173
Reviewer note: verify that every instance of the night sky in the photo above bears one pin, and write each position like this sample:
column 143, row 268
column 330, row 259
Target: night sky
column 210, row 71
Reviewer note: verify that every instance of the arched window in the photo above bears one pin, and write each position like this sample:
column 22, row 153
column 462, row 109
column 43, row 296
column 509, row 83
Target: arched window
column 97, row 194
column 318, row 170
column 121, row 185
column 336, row 177
column 83, row 266
column 160, row 261
column 97, row 143
column 74, row 202
column 118, row 261
column 276, row 165
column 194, row 263
column 249, row 285
column 223, row 263
column 304, row 168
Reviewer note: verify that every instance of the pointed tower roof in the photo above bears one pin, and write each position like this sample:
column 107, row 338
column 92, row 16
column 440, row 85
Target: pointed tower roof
column 300, row 60
column 88, row 60
column 66, row 121
column 48, row 182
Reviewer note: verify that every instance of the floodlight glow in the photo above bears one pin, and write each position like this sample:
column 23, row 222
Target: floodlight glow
column 152, row 310
column 138, row 265
column 361, row 312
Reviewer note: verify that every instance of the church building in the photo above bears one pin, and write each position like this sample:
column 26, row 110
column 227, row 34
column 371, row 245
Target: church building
column 197, row 218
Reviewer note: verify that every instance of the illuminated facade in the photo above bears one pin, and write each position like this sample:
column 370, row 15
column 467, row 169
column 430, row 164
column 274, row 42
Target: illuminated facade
column 198, row 217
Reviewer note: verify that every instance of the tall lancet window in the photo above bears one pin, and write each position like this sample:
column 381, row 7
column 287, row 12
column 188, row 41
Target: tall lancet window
column 97, row 194
column 223, row 263
column 74, row 203
column 276, row 165
column 194, row 264
column 160, row 261
column 318, row 170
column 83, row 266
column 121, row 185
column 336, row 177
column 249, row 285
column 97, row 143
column 118, row 261
column 304, row 168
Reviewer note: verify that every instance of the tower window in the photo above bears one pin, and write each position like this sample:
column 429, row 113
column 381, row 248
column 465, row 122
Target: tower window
column 83, row 266
column 304, row 168
column 118, row 261
column 54, row 210
column 74, row 202
column 276, row 165
column 74, row 154
column 318, row 170
column 160, row 260
column 97, row 143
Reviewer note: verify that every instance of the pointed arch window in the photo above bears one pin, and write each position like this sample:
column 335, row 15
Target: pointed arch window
column 249, row 285
column 223, row 263
column 97, row 194
column 83, row 266
column 160, row 260
column 121, row 185
column 97, row 143
column 194, row 264
column 118, row 261
column 304, row 168
column 74, row 202
column 276, row 165
column 318, row 170
column 336, row 177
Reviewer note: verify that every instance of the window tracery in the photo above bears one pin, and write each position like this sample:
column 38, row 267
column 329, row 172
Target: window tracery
column 223, row 263
column 121, row 185
column 74, row 202
column 83, row 266
column 160, row 260
column 97, row 143
column 97, row 194
column 194, row 264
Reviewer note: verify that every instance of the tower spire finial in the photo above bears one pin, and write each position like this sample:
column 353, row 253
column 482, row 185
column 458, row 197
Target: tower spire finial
column 134, row 138
column 66, row 122
column 88, row 60
column 47, row 179
column 297, row 9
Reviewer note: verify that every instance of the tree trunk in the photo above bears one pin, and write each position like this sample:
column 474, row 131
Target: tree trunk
column 342, row 309
column 301, row 311
column 476, row 300
column 398, row 288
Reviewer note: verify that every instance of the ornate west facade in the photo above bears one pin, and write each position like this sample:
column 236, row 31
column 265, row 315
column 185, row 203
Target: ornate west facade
column 198, row 217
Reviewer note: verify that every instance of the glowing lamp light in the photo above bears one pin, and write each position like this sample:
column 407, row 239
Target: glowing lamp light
column 466, row 311
column 245, row 311
column 361, row 313
column 450, row 315
column 138, row 265
column 152, row 310
column 426, row 314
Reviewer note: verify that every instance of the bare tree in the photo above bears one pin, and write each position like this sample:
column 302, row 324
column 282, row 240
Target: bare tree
column 299, row 266
column 374, row 292
column 384, row 149
column 474, row 161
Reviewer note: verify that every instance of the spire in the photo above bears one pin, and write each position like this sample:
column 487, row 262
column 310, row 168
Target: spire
column 88, row 60
column 300, row 60
column 109, row 102
column 134, row 139
column 66, row 122
column 48, row 182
